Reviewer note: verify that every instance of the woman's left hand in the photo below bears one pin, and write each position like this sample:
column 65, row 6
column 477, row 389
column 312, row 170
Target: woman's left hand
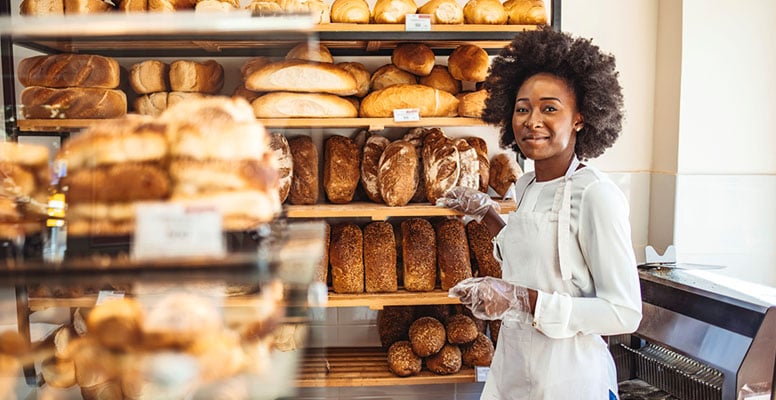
column 492, row 298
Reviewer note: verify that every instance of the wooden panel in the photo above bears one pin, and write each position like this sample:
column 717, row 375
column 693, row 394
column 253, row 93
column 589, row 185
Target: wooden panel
column 377, row 301
column 354, row 366
column 378, row 212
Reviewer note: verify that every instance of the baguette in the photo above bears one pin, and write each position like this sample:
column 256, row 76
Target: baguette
column 429, row 101
column 303, row 105
column 48, row 103
column 69, row 70
column 302, row 76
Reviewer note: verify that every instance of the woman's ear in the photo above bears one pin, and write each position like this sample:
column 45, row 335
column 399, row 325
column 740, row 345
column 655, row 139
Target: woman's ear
column 578, row 125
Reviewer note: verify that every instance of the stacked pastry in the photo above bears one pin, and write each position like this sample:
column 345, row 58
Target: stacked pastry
column 161, row 86
column 71, row 86
column 24, row 180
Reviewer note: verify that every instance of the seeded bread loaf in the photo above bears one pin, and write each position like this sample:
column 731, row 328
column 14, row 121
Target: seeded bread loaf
column 379, row 258
column 481, row 248
column 346, row 258
column 341, row 170
column 452, row 253
column 418, row 255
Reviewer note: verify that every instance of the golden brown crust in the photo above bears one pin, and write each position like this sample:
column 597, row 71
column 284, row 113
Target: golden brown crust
column 118, row 183
column 481, row 248
column 460, row 329
column 133, row 5
column 42, row 7
column 393, row 324
column 402, row 361
column 370, row 166
column 361, row 74
column 440, row 78
column 350, row 11
column 87, row 6
column 504, row 171
column 253, row 64
column 302, row 76
column 346, row 258
column 380, row 258
column 73, row 103
column 525, row 12
column 415, row 58
column 446, row 362
column 340, row 169
column 152, row 104
column 443, row 11
column 193, row 176
column 488, row 12
column 397, row 176
column 193, row 76
column 393, row 11
column 478, row 353
column 419, row 255
column 482, row 156
column 452, row 253
column 469, row 62
column 441, row 164
column 58, row 373
column 472, row 104
column 116, row 324
column 427, row 336
column 304, row 184
column 309, row 52
column 430, row 102
column 69, row 70
column 388, row 75
column 303, row 105
column 150, row 76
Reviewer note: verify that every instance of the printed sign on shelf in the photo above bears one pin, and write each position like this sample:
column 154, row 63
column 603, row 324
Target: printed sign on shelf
column 168, row 230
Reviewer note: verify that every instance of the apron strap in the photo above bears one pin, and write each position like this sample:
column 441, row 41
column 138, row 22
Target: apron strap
column 564, row 220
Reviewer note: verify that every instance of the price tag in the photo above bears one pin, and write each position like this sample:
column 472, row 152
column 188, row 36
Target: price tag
column 417, row 22
column 481, row 373
column 105, row 295
column 168, row 230
column 406, row 114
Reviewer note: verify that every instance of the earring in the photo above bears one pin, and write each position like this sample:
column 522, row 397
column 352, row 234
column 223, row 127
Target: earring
column 579, row 128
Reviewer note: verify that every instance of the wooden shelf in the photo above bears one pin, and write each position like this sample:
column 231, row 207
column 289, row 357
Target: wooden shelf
column 378, row 301
column 378, row 212
column 354, row 366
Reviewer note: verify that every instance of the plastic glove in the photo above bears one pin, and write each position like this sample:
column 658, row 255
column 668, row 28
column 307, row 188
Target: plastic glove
column 492, row 298
column 468, row 201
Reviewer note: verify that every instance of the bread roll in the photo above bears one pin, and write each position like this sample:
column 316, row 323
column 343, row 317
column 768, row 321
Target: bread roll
column 380, row 258
column 42, row 7
column 73, row 103
column 192, row 76
column 341, row 170
column 427, row 336
column 481, row 248
column 441, row 164
column 443, row 11
column 469, row 62
column 310, row 52
column 87, row 6
column 402, row 361
column 303, row 105
column 370, row 166
column 393, row 11
column 149, row 76
column 302, row 76
column 304, row 182
column 488, row 12
column 481, row 147
column 504, row 171
column 447, row 361
column 478, row 353
column 346, row 258
column 440, row 78
column 525, row 12
column 418, row 255
column 415, row 58
column 472, row 104
column 397, row 174
column 460, row 329
column 393, row 324
column 283, row 162
column 350, row 11
column 131, row 6
column 152, row 104
column 361, row 75
column 429, row 101
column 253, row 64
column 388, row 75
column 452, row 253
column 69, row 70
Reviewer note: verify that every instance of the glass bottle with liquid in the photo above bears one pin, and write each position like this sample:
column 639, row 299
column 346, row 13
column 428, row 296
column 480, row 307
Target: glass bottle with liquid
column 55, row 239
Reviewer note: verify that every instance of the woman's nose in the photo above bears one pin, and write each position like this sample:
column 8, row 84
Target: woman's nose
column 533, row 121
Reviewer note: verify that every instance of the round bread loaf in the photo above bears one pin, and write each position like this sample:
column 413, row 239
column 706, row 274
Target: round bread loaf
column 397, row 176
column 350, row 11
column 380, row 258
column 487, row 12
column 469, row 62
column 427, row 336
column 346, row 258
column 446, row 362
column 393, row 11
column 478, row 353
column 361, row 74
column 443, row 11
column 402, row 361
column 482, row 325
column 389, row 75
column 525, row 12
column 418, row 255
column 340, row 169
column 440, row 78
column 393, row 324
column 192, row 76
column 460, row 329
column 310, row 52
column 415, row 58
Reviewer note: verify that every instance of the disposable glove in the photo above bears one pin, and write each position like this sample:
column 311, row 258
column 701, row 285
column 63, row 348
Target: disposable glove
column 471, row 202
column 492, row 298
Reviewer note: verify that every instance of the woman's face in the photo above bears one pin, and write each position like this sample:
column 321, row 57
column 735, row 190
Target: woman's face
column 546, row 119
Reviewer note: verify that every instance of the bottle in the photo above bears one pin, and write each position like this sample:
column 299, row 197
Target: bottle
column 55, row 239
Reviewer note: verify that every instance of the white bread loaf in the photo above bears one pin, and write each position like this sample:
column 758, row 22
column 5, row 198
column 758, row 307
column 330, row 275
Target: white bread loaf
column 429, row 101
column 69, row 70
column 393, row 11
column 440, row 78
column 472, row 103
column 149, row 76
column 350, row 11
column 303, row 105
column 361, row 74
column 388, row 75
column 192, row 76
column 469, row 62
column 43, row 102
column 302, row 76
column 443, row 11
column 525, row 12
column 309, row 52
column 487, row 12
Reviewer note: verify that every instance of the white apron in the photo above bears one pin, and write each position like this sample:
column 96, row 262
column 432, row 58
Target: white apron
column 527, row 364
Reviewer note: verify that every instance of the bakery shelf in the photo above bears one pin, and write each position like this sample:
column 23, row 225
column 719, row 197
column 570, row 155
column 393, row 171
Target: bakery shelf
column 363, row 366
column 378, row 301
column 378, row 212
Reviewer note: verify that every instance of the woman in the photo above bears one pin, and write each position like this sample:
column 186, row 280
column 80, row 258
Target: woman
column 568, row 269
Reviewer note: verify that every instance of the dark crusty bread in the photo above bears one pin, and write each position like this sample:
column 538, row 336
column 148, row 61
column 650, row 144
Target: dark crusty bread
column 73, row 103
column 460, row 329
column 427, row 336
column 418, row 255
column 481, row 248
column 393, row 324
column 481, row 147
column 478, row 353
column 304, row 183
column 370, row 166
column 69, row 70
column 495, row 328
column 346, row 258
column 416, row 136
column 397, row 176
column 380, row 258
column 452, row 253
column 283, row 162
column 415, row 58
column 447, row 361
column 504, row 171
column 402, row 361
column 341, row 170
column 441, row 164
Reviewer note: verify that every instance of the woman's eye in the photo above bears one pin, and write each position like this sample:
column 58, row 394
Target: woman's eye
column 520, row 110
column 550, row 109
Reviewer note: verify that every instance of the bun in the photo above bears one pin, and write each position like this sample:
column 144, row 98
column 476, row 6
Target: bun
column 478, row 353
column 346, row 258
column 283, row 162
column 460, row 329
column 452, row 253
column 370, row 166
column 149, row 76
column 397, row 175
column 69, row 70
column 380, row 258
column 430, row 102
column 446, row 362
column 308, row 52
column 302, row 76
column 472, row 104
column 350, row 11
column 303, row 105
column 361, row 75
column 427, row 336
column 192, row 76
column 469, row 165
column 488, row 12
column 341, row 170
column 393, row 11
column 389, row 75
column 481, row 148
column 42, row 7
column 441, row 164
column 525, row 12
column 73, row 103
column 440, row 78
column 402, row 361
column 469, row 63
column 504, row 171
column 418, row 245
column 415, row 58
column 304, row 182
column 443, row 11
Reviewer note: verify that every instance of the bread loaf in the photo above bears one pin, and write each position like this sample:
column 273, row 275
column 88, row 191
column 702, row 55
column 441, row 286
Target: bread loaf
column 322, row 269
column 402, row 361
column 149, row 76
column 443, row 11
column 472, row 104
column 397, row 175
column 418, row 255
column 346, row 258
column 452, row 253
column 441, row 164
column 478, row 353
column 192, row 76
column 42, row 7
column 87, row 6
column 261, row 8
column 341, row 171
column 430, row 102
column 488, row 12
column 361, row 75
column 370, row 165
column 69, row 70
column 481, row 148
column 283, row 162
column 309, row 52
column 469, row 62
column 318, row 9
column 174, row 98
column 350, row 11
column 504, row 171
column 303, row 105
column 302, row 76
column 241, row 91
column 416, row 136
column 152, row 104
column 447, row 361
column 57, row 372
column 460, row 329
column 253, row 64
column 393, row 324
column 495, row 328
column 481, row 248
column 304, row 182
column 379, row 258
column 72, row 103
column 393, row 11
column 440, row 78
column 469, row 164
column 525, row 12
column 211, row 6
column 427, row 336
column 388, row 75
column 415, row 58
column 131, row 6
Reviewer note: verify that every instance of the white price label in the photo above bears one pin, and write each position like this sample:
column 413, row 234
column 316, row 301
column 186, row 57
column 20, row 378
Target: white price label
column 105, row 295
column 406, row 114
column 481, row 373
column 168, row 230
column 417, row 22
